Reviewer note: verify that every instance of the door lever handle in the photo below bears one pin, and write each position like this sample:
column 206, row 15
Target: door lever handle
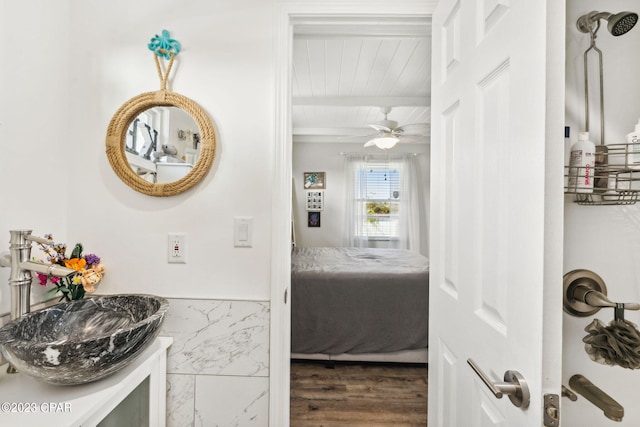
column 514, row 385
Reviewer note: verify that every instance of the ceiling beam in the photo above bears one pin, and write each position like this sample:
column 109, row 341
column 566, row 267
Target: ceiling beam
column 369, row 26
column 363, row 101
column 351, row 140
column 329, row 139
column 363, row 131
column 386, row 35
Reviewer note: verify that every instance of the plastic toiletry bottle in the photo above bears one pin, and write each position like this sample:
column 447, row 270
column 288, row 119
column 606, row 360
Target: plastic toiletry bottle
column 633, row 149
column 601, row 178
column 582, row 164
column 567, row 151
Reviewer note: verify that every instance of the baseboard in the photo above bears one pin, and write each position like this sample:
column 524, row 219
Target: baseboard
column 408, row 356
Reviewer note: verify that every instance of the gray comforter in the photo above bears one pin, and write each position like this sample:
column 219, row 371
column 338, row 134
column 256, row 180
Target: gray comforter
column 358, row 300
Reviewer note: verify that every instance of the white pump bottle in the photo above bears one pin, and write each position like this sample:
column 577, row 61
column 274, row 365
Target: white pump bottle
column 582, row 164
column 633, row 150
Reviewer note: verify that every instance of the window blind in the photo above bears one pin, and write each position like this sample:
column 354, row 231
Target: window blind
column 378, row 181
column 378, row 197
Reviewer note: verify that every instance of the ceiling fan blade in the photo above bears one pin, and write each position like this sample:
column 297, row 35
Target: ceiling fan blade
column 355, row 137
column 380, row 128
column 414, row 129
column 413, row 138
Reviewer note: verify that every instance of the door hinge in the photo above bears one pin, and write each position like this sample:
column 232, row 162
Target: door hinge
column 286, row 292
column 551, row 410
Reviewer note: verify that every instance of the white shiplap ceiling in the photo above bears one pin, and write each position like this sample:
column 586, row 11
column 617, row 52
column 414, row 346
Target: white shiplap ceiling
column 344, row 73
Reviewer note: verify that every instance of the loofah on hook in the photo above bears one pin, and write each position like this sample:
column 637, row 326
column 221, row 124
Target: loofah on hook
column 617, row 343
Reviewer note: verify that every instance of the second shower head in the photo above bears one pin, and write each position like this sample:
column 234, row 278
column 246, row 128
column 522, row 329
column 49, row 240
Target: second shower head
column 617, row 23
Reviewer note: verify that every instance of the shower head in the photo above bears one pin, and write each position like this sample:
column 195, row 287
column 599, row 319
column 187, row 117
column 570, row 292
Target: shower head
column 621, row 23
column 618, row 23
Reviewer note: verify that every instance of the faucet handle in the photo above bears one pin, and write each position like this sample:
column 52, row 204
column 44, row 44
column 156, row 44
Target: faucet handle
column 37, row 239
column 48, row 269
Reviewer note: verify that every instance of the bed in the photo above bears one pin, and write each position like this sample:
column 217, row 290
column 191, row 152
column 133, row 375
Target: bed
column 359, row 304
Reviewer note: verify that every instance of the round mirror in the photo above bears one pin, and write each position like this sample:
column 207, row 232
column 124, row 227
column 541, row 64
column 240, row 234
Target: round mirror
column 160, row 143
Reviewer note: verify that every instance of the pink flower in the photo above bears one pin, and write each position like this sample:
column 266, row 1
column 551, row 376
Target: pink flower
column 43, row 279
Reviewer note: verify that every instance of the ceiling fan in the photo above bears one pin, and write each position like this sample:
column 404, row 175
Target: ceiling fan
column 389, row 133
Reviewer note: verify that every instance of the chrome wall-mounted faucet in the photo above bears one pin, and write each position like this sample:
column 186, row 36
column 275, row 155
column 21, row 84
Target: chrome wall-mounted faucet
column 20, row 277
column 18, row 259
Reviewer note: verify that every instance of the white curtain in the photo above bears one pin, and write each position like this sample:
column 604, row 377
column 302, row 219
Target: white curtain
column 411, row 210
column 355, row 220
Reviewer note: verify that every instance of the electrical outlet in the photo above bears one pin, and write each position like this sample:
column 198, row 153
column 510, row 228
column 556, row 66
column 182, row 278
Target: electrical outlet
column 177, row 248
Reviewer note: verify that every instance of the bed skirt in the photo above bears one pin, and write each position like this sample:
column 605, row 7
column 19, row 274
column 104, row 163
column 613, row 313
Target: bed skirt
column 408, row 356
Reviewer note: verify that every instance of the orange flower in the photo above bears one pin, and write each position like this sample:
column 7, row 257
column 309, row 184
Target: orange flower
column 75, row 263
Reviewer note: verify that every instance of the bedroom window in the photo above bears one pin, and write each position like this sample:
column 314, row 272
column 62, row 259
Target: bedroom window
column 383, row 203
column 378, row 199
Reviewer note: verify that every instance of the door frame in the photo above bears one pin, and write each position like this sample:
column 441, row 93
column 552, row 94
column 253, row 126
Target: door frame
column 287, row 16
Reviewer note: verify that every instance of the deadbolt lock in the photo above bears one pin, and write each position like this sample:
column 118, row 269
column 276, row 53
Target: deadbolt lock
column 551, row 410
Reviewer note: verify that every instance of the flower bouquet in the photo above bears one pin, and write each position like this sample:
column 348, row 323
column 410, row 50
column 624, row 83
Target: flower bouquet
column 89, row 270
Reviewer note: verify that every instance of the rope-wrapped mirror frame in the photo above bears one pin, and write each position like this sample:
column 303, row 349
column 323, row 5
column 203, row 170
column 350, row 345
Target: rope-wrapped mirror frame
column 117, row 133
column 127, row 113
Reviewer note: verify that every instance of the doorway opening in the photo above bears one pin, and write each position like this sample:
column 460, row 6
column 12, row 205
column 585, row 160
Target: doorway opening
column 287, row 16
column 348, row 74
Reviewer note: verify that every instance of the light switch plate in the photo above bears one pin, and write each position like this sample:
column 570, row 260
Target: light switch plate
column 242, row 231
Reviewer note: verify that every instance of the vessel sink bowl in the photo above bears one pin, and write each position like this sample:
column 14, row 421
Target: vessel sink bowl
column 85, row 340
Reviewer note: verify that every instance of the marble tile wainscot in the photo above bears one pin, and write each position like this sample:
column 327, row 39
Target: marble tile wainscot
column 218, row 365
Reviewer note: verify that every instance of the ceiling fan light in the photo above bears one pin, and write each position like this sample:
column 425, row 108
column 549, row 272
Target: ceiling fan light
column 384, row 142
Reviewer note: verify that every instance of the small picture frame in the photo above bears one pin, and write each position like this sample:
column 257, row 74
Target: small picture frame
column 315, row 200
column 313, row 219
column 314, row 181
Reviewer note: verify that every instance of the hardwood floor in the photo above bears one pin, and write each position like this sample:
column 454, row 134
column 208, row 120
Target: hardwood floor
column 358, row 395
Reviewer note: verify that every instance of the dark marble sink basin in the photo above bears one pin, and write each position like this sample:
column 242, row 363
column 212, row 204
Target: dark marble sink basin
column 82, row 341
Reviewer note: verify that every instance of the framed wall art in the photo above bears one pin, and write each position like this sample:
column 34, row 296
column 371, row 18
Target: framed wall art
column 315, row 200
column 313, row 219
column 314, row 180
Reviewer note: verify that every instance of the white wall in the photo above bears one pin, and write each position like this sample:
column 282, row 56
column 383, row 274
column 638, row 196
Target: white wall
column 225, row 65
column 326, row 157
column 58, row 99
column 319, row 157
column 34, row 124
column 605, row 240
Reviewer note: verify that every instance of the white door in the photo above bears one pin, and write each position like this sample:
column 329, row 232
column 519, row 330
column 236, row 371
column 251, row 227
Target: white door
column 496, row 208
